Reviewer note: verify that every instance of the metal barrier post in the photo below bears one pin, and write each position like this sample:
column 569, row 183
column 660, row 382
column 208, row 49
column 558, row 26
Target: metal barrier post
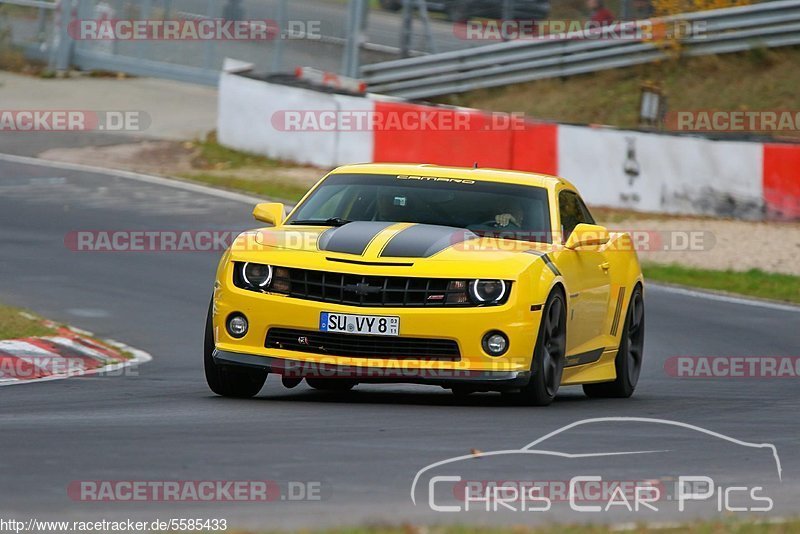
column 355, row 32
column 507, row 10
column 143, row 48
column 408, row 28
column 119, row 13
column 209, row 46
column 277, row 49
column 41, row 24
column 64, row 45
column 422, row 6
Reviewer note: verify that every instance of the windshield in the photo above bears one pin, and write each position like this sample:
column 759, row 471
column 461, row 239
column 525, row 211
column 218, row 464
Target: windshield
column 486, row 208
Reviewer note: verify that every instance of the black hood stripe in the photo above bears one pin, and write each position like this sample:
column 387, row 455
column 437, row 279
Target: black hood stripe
column 424, row 240
column 352, row 238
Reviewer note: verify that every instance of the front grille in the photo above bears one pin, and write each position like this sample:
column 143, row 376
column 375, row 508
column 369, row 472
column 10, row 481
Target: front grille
column 357, row 290
column 362, row 346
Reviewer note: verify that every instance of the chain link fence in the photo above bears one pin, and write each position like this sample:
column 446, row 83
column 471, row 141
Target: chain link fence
column 331, row 35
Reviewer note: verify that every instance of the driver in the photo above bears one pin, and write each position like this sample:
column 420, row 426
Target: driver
column 513, row 215
column 391, row 207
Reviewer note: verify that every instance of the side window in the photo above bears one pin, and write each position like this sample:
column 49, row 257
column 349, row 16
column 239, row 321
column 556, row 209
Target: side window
column 573, row 212
column 587, row 216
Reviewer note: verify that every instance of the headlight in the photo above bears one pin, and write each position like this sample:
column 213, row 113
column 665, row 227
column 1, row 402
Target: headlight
column 256, row 274
column 487, row 291
column 260, row 277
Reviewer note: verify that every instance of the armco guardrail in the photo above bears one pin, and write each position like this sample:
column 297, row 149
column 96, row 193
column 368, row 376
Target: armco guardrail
column 40, row 4
column 769, row 24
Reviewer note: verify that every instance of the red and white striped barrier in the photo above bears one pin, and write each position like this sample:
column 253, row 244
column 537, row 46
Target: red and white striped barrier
column 67, row 353
column 617, row 168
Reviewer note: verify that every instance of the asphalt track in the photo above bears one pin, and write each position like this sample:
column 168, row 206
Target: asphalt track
column 365, row 448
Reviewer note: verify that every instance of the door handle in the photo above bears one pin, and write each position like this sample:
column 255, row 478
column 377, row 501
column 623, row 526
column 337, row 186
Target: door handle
column 605, row 266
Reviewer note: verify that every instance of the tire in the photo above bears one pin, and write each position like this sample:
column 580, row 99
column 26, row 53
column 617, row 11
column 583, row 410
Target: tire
column 228, row 381
column 628, row 362
column 331, row 384
column 548, row 362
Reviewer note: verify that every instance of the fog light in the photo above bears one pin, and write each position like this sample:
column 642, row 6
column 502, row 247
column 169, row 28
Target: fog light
column 237, row 325
column 495, row 343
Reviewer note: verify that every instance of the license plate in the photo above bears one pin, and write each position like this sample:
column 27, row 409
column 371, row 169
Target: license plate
column 378, row 325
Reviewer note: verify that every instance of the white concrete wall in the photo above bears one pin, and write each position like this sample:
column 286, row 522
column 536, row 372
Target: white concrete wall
column 665, row 173
column 675, row 174
column 247, row 121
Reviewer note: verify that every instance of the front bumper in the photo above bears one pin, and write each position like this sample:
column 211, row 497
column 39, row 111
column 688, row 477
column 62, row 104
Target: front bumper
column 465, row 326
column 518, row 318
column 376, row 375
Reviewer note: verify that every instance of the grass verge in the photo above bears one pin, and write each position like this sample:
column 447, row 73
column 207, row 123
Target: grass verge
column 213, row 155
column 760, row 79
column 752, row 283
column 277, row 189
column 219, row 166
column 13, row 324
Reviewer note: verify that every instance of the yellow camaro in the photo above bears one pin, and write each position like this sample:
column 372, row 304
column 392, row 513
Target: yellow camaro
column 470, row 279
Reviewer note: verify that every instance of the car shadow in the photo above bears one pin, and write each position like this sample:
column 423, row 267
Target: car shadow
column 417, row 397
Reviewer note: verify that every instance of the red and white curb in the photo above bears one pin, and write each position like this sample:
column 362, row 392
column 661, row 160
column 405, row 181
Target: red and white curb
column 69, row 352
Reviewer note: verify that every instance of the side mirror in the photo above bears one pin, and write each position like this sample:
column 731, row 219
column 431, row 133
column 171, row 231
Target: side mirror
column 270, row 212
column 587, row 235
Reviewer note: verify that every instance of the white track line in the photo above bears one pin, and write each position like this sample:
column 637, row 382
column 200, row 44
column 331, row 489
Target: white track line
column 147, row 178
column 247, row 199
column 721, row 297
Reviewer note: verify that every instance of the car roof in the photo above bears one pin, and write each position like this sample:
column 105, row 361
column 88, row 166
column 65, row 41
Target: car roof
column 483, row 174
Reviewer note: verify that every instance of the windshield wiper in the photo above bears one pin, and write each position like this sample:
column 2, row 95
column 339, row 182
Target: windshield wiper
column 333, row 221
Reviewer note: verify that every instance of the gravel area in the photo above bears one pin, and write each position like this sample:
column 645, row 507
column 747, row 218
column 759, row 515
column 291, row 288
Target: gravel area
column 717, row 244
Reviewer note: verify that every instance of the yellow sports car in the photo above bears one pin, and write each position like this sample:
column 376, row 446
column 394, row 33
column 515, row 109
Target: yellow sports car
column 469, row 279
